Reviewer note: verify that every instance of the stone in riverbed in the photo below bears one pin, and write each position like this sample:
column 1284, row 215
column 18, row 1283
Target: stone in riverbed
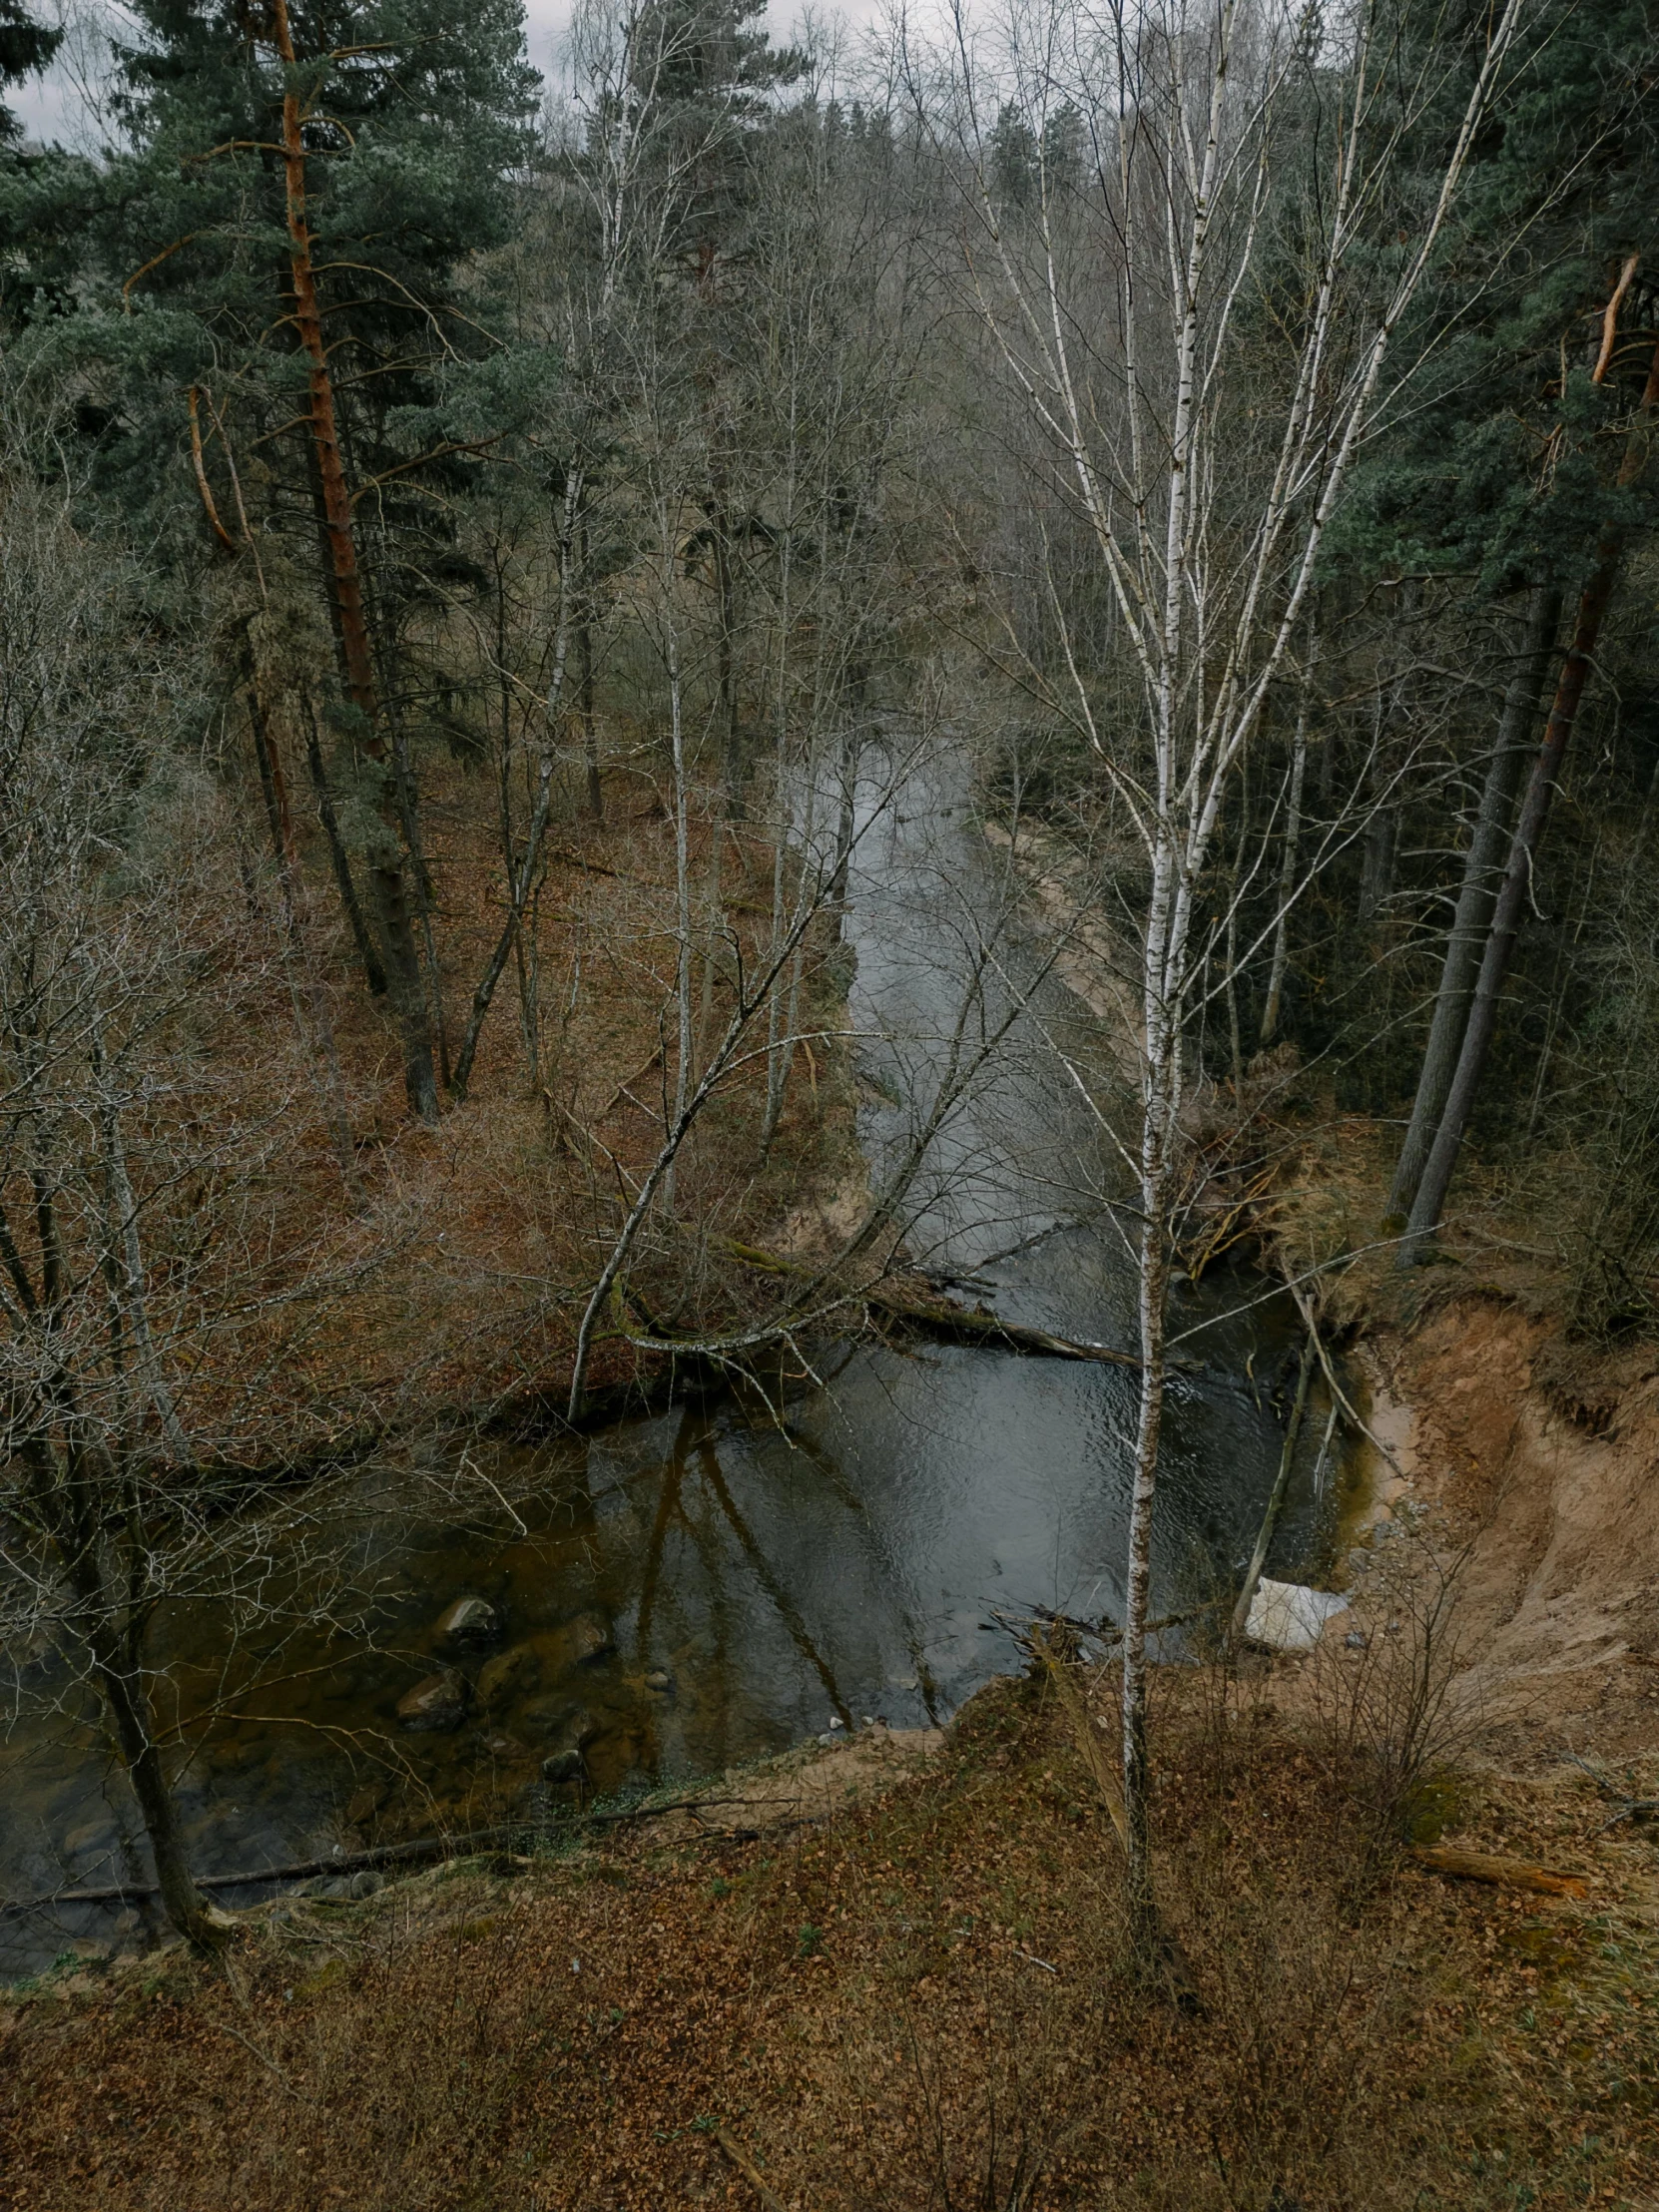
column 567, row 1764
column 470, row 1621
column 438, row 1704
column 583, row 1641
column 510, row 1674
column 659, row 1681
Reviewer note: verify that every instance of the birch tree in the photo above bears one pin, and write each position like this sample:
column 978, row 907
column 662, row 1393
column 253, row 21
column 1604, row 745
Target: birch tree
column 1116, row 309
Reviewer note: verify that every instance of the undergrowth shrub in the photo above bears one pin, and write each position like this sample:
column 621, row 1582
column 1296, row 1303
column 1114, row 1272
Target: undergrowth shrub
column 1053, row 2075
column 403, row 2068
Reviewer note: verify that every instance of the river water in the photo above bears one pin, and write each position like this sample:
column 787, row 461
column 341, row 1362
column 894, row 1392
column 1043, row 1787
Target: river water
column 717, row 1581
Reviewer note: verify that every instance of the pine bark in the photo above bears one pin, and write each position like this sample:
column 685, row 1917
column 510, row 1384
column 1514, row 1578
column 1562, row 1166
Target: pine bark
column 1509, row 909
column 386, row 877
column 1477, row 898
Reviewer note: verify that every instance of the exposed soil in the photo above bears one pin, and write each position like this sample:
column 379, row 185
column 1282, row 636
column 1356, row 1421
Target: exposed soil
column 1545, row 1464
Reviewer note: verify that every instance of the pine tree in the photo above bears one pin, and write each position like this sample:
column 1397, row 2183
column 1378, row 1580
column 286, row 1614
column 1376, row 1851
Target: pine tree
column 275, row 330
column 1506, row 479
column 25, row 47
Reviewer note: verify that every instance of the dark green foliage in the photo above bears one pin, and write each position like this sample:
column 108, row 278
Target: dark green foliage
column 25, row 46
column 1500, row 469
column 417, row 117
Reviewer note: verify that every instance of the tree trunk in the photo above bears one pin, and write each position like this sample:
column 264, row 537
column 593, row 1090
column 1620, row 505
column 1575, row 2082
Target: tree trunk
column 67, row 1494
column 1154, row 1290
column 340, row 538
column 1517, row 881
column 1160, row 1108
column 1477, row 898
column 426, row 898
column 1276, row 1498
column 583, row 674
column 726, row 665
column 373, row 967
column 300, row 964
column 1293, row 840
column 681, row 892
column 129, row 1706
column 522, row 880
column 1377, row 877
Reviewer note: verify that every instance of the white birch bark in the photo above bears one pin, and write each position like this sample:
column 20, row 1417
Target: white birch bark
column 1179, row 100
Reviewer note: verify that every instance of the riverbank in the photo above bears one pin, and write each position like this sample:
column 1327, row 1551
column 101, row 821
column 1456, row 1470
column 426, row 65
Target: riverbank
column 893, row 1965
column 894, row 1973
column 437, row 1276
column 891, row 1969
column 670, row 1592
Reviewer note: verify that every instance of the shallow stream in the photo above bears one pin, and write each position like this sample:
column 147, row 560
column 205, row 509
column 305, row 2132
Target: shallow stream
column 717, row 1581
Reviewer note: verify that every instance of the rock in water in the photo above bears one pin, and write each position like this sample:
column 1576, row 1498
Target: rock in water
column 1289, row 1616
column 579, row 1643
column 510, row 1674
column 438, row 1703
column 567, row 1763
column 469, row 1621
column 659, row 1681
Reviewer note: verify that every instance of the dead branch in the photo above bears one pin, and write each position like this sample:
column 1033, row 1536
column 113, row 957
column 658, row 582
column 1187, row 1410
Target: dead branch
column 1505, row 1873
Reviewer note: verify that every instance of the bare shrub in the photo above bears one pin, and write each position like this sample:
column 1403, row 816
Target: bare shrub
column 990, row 2105
column 1392, row 1713
column 405, row 2069
column 1293, row 1951
column 1061, row 2073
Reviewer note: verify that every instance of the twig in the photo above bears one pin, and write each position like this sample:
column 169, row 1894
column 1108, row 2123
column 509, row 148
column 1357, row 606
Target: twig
column 1629, row 1808
column 622, row 1088
column 1305, row 1308
column 751, row 2173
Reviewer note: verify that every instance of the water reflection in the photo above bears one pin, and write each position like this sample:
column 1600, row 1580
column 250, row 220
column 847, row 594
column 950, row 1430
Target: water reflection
column 717, row 1581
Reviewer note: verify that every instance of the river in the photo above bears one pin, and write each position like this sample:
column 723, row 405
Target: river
column 675, row 1594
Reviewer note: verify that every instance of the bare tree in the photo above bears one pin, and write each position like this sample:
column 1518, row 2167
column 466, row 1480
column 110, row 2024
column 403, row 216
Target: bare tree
column 1115, row 299
column 154, row 1296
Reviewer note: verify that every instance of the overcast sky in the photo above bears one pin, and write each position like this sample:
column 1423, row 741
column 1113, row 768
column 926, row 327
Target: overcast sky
column 51, row 109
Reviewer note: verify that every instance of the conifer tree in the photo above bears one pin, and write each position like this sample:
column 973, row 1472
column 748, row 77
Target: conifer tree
column 1505, row 477
column 717, row 86
column 25, row 47
column 281, row 325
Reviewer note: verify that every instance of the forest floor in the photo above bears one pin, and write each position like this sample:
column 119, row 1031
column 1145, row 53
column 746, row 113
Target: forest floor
column 895, row 1973
column 447, row 1284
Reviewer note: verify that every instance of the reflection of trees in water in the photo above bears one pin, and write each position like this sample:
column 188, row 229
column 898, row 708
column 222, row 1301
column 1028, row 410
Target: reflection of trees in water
column 788, row 1611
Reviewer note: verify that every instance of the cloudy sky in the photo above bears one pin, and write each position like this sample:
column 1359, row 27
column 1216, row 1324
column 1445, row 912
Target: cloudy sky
column 51, row 108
